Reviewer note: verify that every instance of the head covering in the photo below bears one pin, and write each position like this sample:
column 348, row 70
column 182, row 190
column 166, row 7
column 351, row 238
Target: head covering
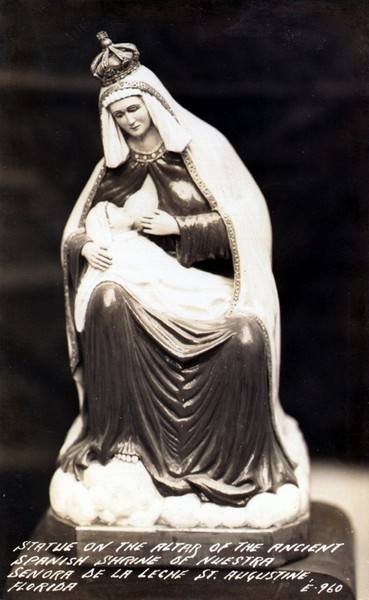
column 229, row 188
column 116, row 149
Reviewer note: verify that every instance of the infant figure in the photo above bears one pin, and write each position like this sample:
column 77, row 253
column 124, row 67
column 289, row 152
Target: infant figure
column 145, row 270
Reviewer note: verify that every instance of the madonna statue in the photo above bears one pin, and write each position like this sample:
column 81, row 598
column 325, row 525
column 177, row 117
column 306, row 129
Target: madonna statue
column 173, row 326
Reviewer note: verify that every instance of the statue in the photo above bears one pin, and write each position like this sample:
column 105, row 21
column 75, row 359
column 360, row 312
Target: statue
column 173, row 327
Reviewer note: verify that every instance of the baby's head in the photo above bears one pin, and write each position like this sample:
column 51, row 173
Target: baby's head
column 140, row 203
column 118, row 218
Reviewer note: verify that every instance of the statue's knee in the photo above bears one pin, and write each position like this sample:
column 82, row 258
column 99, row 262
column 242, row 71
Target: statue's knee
column 249, row 337
column 106, row 298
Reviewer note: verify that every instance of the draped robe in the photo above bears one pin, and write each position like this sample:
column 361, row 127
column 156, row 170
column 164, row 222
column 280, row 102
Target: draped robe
column 189, row 398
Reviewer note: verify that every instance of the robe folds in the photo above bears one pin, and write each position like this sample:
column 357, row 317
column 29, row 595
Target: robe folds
column 190, row 398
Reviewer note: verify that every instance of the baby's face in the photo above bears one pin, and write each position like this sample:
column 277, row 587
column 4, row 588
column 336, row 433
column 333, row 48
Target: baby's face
column 118, row 218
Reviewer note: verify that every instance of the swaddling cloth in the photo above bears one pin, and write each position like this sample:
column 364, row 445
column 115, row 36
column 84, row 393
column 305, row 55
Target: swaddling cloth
column 151, row 276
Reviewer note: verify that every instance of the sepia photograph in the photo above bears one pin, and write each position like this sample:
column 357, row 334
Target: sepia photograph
column 184, row 299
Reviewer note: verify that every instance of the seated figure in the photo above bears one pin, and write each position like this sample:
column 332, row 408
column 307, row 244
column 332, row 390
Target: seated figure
column 173, row 322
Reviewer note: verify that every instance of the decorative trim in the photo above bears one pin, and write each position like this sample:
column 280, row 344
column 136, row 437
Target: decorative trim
column 91, row 196
column 227, row 221
column 71, row 331
column 147, row 157
column 141, row 85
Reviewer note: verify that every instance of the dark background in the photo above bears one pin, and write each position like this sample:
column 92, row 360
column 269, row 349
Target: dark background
column 287, row 83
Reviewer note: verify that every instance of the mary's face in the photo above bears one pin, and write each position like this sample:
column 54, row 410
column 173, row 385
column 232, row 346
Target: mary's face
column 132, row 116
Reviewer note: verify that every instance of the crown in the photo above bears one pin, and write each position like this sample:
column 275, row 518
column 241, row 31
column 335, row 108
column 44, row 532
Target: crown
column 115, row 62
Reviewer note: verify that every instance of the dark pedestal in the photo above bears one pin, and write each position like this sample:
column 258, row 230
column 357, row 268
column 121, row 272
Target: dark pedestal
column 326, row 572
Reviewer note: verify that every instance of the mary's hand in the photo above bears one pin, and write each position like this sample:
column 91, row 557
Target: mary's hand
column 97, row 256
column 160, row 223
